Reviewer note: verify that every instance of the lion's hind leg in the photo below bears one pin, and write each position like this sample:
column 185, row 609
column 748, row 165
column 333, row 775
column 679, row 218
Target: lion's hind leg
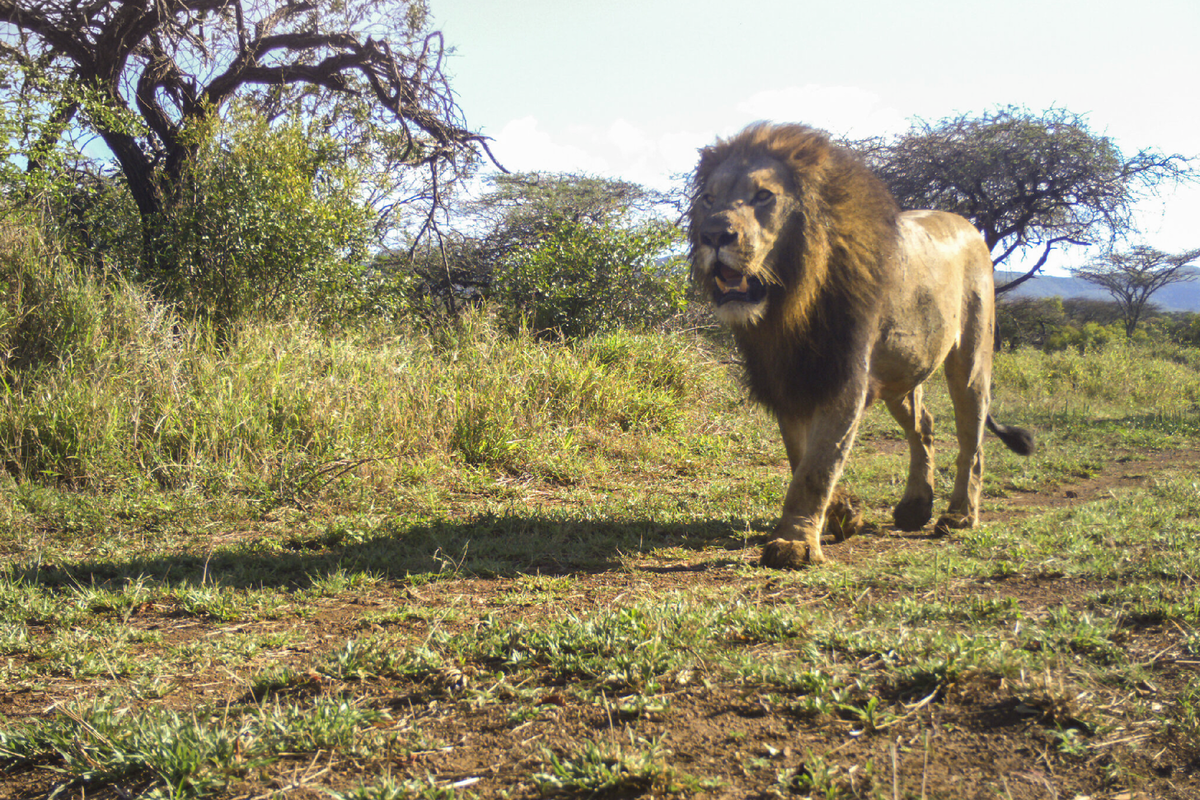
column 915, row 508
column 843, row 518
column 970, row 392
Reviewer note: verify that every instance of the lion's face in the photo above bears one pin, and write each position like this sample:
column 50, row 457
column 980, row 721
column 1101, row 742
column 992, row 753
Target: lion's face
column 743, row 209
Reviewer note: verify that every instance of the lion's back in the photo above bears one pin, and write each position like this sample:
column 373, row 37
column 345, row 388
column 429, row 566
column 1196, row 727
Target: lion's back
column 939, row 295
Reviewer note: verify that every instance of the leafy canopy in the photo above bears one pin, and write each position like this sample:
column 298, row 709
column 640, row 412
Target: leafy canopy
column 268, row 221
column 576, row 254
column 144, row 77
column 564, row 254
column 1028, row 181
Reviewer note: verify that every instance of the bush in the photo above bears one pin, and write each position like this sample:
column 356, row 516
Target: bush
column 1125, row 378
column 67, row 337
column 268, row 221
column 104, row 385
column 580, row 279
column 1184, row 328
column 1052, row 324
column 1090, row 337
column 50, row 310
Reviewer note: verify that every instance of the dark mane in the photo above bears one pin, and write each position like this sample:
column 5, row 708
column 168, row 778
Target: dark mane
column 810, row 343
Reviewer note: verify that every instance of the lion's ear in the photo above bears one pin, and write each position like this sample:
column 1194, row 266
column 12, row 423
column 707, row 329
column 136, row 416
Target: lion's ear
column 709, row 161
column 810, row 155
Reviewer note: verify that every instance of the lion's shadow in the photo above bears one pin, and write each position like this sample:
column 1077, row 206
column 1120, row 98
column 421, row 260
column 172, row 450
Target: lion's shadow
column 483, row 546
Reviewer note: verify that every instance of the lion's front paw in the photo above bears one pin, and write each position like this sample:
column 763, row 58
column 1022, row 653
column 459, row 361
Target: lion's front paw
column 952, row 522
column 790, row 554
column 842, row 518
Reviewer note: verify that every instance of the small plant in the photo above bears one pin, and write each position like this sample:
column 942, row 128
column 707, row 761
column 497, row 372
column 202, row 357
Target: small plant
column 1070, row 741
column 373, row 658
column 776, row 624
column 640, row 766
column 102, row 744
column 816, row 778
column 277, row 680
column 324, row 724
column 870, row 713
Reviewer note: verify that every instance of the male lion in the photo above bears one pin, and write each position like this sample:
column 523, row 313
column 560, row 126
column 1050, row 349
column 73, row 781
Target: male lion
column 836, row 299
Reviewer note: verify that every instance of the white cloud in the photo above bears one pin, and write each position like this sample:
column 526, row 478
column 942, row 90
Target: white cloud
column 650, row 157
column 522, row 146
column 629, row 139
column 1168, row 222
column 679, row 149
column 653, row 155
column 619, row 150
column 844, row 110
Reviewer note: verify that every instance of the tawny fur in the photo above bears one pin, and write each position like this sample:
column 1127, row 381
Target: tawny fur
column 836, row 299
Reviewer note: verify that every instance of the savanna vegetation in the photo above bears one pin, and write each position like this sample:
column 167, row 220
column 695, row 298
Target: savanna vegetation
column 308, row 492
column 400, row 560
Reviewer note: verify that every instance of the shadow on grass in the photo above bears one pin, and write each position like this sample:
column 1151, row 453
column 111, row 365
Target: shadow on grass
column 484, row 546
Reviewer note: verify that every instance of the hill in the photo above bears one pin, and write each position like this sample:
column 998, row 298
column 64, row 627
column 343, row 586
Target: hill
column 1176, row 297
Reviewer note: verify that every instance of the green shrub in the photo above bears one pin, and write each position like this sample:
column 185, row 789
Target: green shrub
column 103, row 384
column 268, row 221
column 580, row 279
column 1091, row 337
column 1123, row 378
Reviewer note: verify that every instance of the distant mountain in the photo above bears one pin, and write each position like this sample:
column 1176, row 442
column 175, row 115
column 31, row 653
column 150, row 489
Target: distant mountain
column 1176, row 297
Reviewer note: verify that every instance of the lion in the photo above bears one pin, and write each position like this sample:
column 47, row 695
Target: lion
column 836, row 299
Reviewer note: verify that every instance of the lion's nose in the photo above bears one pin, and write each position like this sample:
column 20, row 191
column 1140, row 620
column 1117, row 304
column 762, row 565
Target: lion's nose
column 717, row 239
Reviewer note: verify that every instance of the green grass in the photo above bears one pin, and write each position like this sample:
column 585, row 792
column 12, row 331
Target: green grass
column 412, row 563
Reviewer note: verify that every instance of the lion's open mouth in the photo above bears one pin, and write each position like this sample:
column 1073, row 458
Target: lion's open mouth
column 734, row 285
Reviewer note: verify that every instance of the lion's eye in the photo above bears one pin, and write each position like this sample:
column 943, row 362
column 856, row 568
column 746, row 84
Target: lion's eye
column 762, row 196
column 707, row 200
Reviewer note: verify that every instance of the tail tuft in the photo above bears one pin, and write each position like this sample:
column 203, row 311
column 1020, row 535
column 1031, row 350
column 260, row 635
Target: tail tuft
column 1019, row 440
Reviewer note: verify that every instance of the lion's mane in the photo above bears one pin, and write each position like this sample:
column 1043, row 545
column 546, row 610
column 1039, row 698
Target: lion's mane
column 830, row 265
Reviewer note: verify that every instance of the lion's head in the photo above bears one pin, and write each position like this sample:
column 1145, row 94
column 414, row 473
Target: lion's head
column 779, row 216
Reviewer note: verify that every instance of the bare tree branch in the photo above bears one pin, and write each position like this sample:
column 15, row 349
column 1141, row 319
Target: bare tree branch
column 1036, row 268
column 149, row 72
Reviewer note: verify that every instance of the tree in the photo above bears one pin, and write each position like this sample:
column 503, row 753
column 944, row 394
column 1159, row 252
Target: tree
column 576, row 254
column 1133, row 277
column 147, row 77
column 1028, row 321
column 520, row 205
column 1027, row 181
column 566, row 254
column 578, row 279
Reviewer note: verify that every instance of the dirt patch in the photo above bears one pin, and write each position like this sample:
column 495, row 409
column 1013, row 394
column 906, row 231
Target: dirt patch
column 1126, row 470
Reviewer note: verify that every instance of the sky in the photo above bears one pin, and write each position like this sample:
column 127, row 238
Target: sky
column 632, row 88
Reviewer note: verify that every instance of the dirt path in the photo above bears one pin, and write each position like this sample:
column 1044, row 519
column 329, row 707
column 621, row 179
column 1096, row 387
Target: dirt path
column 1129, row 469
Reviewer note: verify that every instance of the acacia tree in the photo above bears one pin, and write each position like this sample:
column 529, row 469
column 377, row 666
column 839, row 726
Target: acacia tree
column 147, row 76
column 1027, row 181
column 1133, row 277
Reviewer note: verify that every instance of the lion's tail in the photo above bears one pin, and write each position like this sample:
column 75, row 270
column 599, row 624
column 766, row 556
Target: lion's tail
column 1019, row 440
